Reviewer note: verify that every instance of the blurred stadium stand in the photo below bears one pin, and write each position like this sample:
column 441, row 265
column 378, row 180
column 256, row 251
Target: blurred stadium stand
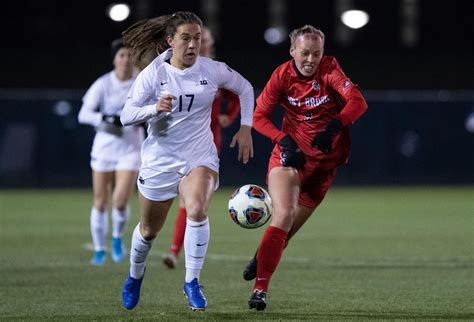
column 406, row 137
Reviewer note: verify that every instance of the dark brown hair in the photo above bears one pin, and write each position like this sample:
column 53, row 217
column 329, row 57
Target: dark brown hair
column 147, row 38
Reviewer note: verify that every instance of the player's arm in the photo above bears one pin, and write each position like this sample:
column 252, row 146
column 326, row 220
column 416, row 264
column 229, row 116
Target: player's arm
column 292, row 156
column 89, row 112
column 355, row 102
column 266, row 102
column 231, row 80
column 140, row 104
column 355, row 106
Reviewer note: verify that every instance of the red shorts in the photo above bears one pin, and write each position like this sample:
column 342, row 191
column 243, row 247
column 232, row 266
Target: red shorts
column 315, row 180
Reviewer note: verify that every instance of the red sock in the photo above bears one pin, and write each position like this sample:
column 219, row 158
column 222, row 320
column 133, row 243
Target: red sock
column 268, row 256
column 179, row 230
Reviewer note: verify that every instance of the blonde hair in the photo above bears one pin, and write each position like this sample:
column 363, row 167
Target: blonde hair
column 306, row 29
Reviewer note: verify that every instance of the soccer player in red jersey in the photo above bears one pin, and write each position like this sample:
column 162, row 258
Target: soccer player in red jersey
column 219, row 120
column 320, row 102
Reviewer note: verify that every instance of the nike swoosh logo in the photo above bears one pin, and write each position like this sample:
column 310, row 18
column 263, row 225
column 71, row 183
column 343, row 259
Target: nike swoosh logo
column 261, row 279
column 196, row 256
column 163, row 83
column 138, row 251
column 201, row 244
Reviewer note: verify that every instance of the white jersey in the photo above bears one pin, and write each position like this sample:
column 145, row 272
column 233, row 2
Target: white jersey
column 107, row 96
column 179, row 139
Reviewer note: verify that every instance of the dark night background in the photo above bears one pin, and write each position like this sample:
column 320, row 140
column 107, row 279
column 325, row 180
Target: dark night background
column 64, row 44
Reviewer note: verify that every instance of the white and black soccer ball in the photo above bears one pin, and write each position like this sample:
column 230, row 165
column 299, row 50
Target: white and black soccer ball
column 250, row 206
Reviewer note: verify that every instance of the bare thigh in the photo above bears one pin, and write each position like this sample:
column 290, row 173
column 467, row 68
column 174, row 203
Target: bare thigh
column 125, row 182
column 102, row 183
column 196, row 190
column 153, row 215
column 284, row 187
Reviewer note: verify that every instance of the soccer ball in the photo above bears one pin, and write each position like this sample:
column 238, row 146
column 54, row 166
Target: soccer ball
column 250, row 206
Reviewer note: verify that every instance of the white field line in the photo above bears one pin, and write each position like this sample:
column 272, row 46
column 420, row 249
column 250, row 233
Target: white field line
column 460, row 262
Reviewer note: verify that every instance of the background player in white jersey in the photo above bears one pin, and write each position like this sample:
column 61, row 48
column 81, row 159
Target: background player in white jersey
column 174, row 94
column 115, row 156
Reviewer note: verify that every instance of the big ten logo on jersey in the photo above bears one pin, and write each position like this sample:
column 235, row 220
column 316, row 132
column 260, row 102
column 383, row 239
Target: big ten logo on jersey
column 203, row 82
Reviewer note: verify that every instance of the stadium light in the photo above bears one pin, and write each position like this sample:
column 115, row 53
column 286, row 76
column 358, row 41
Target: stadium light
column 118, row 11
column 275, row 35
column 355, row 19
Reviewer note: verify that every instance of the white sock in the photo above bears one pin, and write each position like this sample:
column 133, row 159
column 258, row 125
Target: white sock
column 99, row 226
column 119, row 221
column 196, row 240
column 138, row 253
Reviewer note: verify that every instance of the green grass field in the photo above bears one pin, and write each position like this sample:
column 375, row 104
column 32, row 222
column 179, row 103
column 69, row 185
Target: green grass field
column 367, row 253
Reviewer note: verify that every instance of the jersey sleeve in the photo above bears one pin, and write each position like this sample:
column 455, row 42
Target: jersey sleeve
column 355, row 103
column 231, row 80
column 141, row 102
column 89, row 112
column 266, row 102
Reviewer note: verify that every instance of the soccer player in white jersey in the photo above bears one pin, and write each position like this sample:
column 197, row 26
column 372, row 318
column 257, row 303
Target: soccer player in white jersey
column 174, row 95
column 115, row 156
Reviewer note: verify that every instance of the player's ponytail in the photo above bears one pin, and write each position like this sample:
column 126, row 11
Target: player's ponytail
column 147, row 38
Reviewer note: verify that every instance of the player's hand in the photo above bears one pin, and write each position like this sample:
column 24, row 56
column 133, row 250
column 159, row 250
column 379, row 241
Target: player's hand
column 291, row 155
column 165, row 103
column 323, row 140
column 112, row 119
column 244, row 139
column 223, row 120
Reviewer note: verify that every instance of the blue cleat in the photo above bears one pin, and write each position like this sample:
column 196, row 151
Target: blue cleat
column 196, row 299
column 99, row 258
column 117, row 250
column 131, row 292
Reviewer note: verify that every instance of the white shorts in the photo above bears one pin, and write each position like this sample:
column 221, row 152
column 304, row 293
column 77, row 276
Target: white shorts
column 127, row 162
column 161, row 186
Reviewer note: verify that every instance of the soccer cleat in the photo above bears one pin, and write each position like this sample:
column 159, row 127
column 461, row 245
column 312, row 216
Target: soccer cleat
column 258, row 300
column 170, row 260
column 99, row 258
column 117, row 250
column 131, row 292
column 193, row 292
column 250, row 271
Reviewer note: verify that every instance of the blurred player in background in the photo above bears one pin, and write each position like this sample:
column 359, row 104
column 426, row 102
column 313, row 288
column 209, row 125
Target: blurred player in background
column 320, row 102
column 174, row 94
column 115, row 156
column 219, row 120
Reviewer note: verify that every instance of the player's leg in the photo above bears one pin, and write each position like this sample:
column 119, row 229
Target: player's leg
column 313, row 191
column 171, row 259
column 153, row 215
column 101, row 186
column 196, row 190
column 284, row 188
column 302, row 214
column 125, row 182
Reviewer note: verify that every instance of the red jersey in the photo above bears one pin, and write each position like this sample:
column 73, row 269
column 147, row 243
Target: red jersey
column 309, row 104
column 232, row 111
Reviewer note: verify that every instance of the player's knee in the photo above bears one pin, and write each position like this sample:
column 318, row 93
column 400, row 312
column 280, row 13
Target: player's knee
column 284, row 218
column 100, row 205
column 148, row 233
column 196, row 212
column 120, row 204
